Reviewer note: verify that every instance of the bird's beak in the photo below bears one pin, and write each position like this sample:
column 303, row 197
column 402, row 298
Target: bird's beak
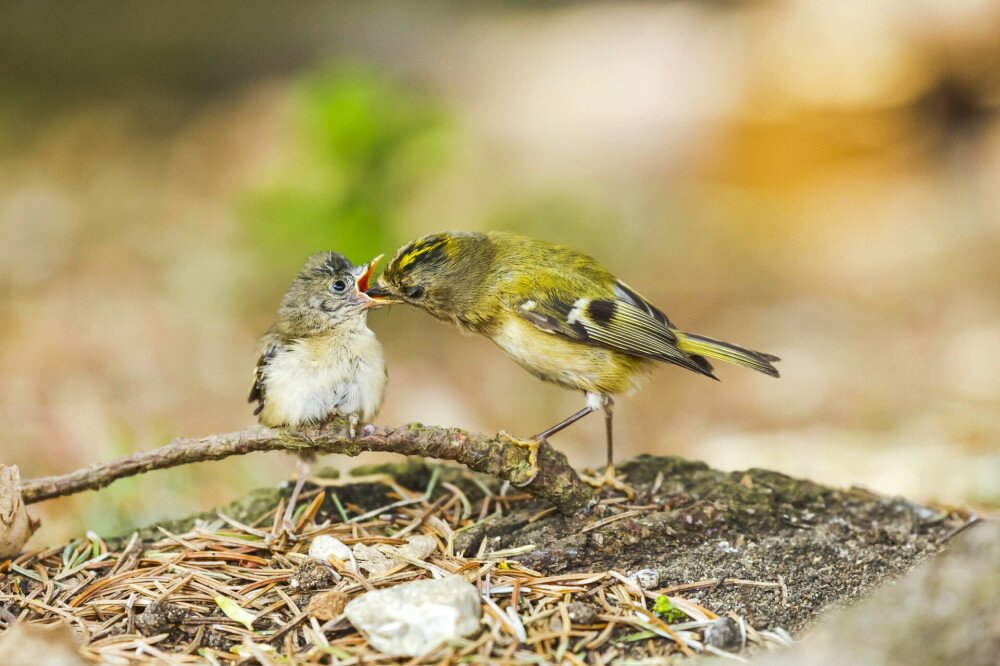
column 361, row 285
column 381, row 295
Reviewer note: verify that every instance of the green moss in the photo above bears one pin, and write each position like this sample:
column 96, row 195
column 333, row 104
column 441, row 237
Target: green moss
column 246, row 509
column 643, row 469
column 666, row 610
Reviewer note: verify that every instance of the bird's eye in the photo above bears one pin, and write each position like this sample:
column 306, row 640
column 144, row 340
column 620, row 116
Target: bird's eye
column 339, row 285
column 414, row 292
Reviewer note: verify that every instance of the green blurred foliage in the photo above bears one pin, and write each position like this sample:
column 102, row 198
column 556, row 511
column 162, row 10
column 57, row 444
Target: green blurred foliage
column 364, row 144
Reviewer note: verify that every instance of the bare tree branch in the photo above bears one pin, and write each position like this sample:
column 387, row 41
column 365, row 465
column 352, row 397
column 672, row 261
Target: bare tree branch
column 556, row 481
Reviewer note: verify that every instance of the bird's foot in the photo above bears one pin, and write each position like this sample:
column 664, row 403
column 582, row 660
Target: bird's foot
column 334, row 421
column 532, row 445
column 609, row 480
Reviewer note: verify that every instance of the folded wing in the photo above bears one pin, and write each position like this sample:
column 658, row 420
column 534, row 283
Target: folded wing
column 623, row 321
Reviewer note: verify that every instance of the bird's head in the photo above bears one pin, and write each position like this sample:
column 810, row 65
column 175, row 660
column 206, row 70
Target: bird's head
column 441, row 273
column 327, row 292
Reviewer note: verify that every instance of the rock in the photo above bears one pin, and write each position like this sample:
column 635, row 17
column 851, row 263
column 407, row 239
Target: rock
column 159, row 617
column 647, row 579
column 411, row 619
column 16, row 527
column 418, row 547
column 582, row 613
column 313, row 575
column 371, row 559
column 325, row 545
column 374, row 560
column 29, row 645
column 724, row 634
column 327, row 606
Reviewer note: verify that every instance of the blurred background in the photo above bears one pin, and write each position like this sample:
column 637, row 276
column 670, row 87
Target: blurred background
column 818, row 180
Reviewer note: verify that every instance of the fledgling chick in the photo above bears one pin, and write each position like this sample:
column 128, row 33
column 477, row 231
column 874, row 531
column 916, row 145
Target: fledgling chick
column 556, row 312
column 320, row 360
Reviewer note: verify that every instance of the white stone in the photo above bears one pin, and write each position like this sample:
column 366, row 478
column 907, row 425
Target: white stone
column 371, row 559
column 412, row 618
column 325, row 545
column 418, row 547
column 646, row 579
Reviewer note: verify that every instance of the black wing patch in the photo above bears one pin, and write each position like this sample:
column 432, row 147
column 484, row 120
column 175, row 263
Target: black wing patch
column 626, row 293
column 614, row 323
column 258, row 393
column 629, row 295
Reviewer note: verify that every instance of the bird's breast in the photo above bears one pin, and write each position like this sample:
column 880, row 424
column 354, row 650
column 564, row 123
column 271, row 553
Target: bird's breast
column 572, row 364
column 315, row 378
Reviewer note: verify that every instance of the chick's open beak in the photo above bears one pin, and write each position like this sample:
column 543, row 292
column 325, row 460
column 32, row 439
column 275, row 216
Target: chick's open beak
column 361, row 283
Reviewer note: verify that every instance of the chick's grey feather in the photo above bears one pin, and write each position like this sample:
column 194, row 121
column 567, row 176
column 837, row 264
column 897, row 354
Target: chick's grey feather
column 320, row 360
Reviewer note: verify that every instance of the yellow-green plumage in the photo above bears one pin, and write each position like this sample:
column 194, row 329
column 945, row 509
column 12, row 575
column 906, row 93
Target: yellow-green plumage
column 558, row 313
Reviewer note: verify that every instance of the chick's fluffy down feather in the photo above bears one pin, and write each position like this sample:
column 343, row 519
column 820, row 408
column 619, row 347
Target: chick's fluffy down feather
column 307, row 381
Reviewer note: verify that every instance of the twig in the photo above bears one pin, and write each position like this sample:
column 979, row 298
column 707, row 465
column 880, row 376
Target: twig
column 556, row 481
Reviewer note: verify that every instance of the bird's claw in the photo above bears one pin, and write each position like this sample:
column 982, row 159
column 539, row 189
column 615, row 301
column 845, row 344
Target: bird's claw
column 532, row 445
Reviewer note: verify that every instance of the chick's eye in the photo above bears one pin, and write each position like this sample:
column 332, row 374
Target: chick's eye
column 414, row 292
column 339, row 285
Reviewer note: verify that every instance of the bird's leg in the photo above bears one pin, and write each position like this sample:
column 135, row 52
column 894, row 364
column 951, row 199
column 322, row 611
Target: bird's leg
column 536, row 441
column 609, row 414
column 565, row 423
column 610, row 478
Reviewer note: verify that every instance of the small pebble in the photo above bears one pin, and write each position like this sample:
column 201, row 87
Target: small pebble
column 419, row 547
column 327, row 605
column 724, row 634
column 647, row 579
column 582, row 613
column 412, row 618
column 325, row 545
column 371, row 559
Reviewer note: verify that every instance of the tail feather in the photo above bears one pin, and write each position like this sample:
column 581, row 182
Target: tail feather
column 699, row 345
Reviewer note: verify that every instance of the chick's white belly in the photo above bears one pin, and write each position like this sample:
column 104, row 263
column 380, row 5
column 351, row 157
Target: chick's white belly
column 302, row 389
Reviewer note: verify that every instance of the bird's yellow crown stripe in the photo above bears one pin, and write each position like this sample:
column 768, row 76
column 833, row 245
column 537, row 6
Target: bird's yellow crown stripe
column 411, row 256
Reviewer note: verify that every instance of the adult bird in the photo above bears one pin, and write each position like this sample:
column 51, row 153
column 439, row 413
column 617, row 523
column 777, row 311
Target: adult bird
column 556, row 312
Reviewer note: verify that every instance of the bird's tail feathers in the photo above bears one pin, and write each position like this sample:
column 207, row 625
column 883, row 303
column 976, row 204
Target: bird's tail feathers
column 699, row 345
